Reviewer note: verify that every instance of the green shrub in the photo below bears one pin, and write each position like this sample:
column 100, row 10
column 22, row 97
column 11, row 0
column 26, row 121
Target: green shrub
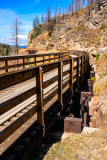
column 38, row 31
column 102, row 26
column 98, row 38
column 30, row 65
column 54, row 20
column 106, row 56
column 47, row 48
column 81, row 28
column 31, row 37
column 97, row 56
column 105, row 74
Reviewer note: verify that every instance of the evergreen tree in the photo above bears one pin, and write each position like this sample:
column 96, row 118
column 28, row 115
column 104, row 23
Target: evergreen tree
column 75, row 5
column 34, row 23
column 7, row 50
column 42, row 18
column 72, row 7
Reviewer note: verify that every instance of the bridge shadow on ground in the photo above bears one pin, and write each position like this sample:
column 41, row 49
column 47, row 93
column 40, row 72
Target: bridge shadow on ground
column 72, row 110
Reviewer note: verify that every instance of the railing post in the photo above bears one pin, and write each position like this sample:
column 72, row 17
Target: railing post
column 59, row 56
column 43, row 59
column 5, row 65
column 85, row 64
column 71, row 77
column 48, row 59
column 23, row 63
column 39, row 85
column 54, row 57
column 77, row 75
column 62, row 56
column 84, row 68
column 60, row 83
column 81, row 73
column 35, row 60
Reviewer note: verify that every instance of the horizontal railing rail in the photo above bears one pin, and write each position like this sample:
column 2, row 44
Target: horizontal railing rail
column 12, row 63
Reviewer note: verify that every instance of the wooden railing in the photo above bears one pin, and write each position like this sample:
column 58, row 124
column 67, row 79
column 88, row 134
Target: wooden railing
column 77, row 68
column 12, row 63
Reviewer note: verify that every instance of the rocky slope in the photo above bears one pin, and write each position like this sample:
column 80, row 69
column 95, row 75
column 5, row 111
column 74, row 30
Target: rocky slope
column 86, row 30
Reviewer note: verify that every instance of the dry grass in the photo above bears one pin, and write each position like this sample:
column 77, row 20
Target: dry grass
column 80, row 146
column 101, row 75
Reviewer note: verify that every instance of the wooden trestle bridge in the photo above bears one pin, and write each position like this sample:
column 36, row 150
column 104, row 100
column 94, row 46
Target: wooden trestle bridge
column 33, row 93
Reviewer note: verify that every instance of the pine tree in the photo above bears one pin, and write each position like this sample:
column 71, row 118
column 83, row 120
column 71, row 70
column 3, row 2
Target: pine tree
column 79, row 4
column 42, row 18
column 72, row 7
column 48, row 17
column 56, row 11
column 83, row 3
column 59, row 15
column 34, row 23
column 75, row 5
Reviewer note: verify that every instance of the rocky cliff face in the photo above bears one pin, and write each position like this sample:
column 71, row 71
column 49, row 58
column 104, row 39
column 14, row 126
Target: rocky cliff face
column 86, row 30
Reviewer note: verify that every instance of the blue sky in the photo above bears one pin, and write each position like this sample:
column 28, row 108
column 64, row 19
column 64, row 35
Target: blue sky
column 25, row 11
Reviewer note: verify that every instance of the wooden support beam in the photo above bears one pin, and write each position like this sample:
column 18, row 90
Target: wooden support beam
column 59, row 56
column 81, row 73
column 23, row 64
column 85, row 64
column 5, row 65
column 48, row 59
column 68, row 125
column 90, row 86
column 84, row 68
column 85, row 120
column 35, row 60
column 40, row 111
column 71, row 77
column 77, row 74
column 60, row 82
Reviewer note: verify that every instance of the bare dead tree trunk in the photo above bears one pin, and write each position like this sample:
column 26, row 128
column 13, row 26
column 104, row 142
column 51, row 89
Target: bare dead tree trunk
column 83, row 3
column 48, row 17
column 79, row 4
column 72, row 7
column 16, row 37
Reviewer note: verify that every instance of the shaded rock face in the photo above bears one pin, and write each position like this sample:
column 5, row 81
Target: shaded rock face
column 98, row 111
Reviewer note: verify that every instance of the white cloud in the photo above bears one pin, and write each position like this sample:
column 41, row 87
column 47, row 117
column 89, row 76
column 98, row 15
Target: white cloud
column 33, row 3
column 22, row 36
column 7, row 18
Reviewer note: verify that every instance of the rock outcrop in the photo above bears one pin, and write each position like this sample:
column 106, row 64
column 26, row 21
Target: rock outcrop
column 81, row 31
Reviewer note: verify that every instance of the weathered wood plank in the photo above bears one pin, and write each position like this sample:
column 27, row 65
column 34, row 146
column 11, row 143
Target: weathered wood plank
column 4, row 107
column 16, row 124
column 49, row 82
column 50, row 96
column 71, row 77
column 60, row 82
column 39, row 86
